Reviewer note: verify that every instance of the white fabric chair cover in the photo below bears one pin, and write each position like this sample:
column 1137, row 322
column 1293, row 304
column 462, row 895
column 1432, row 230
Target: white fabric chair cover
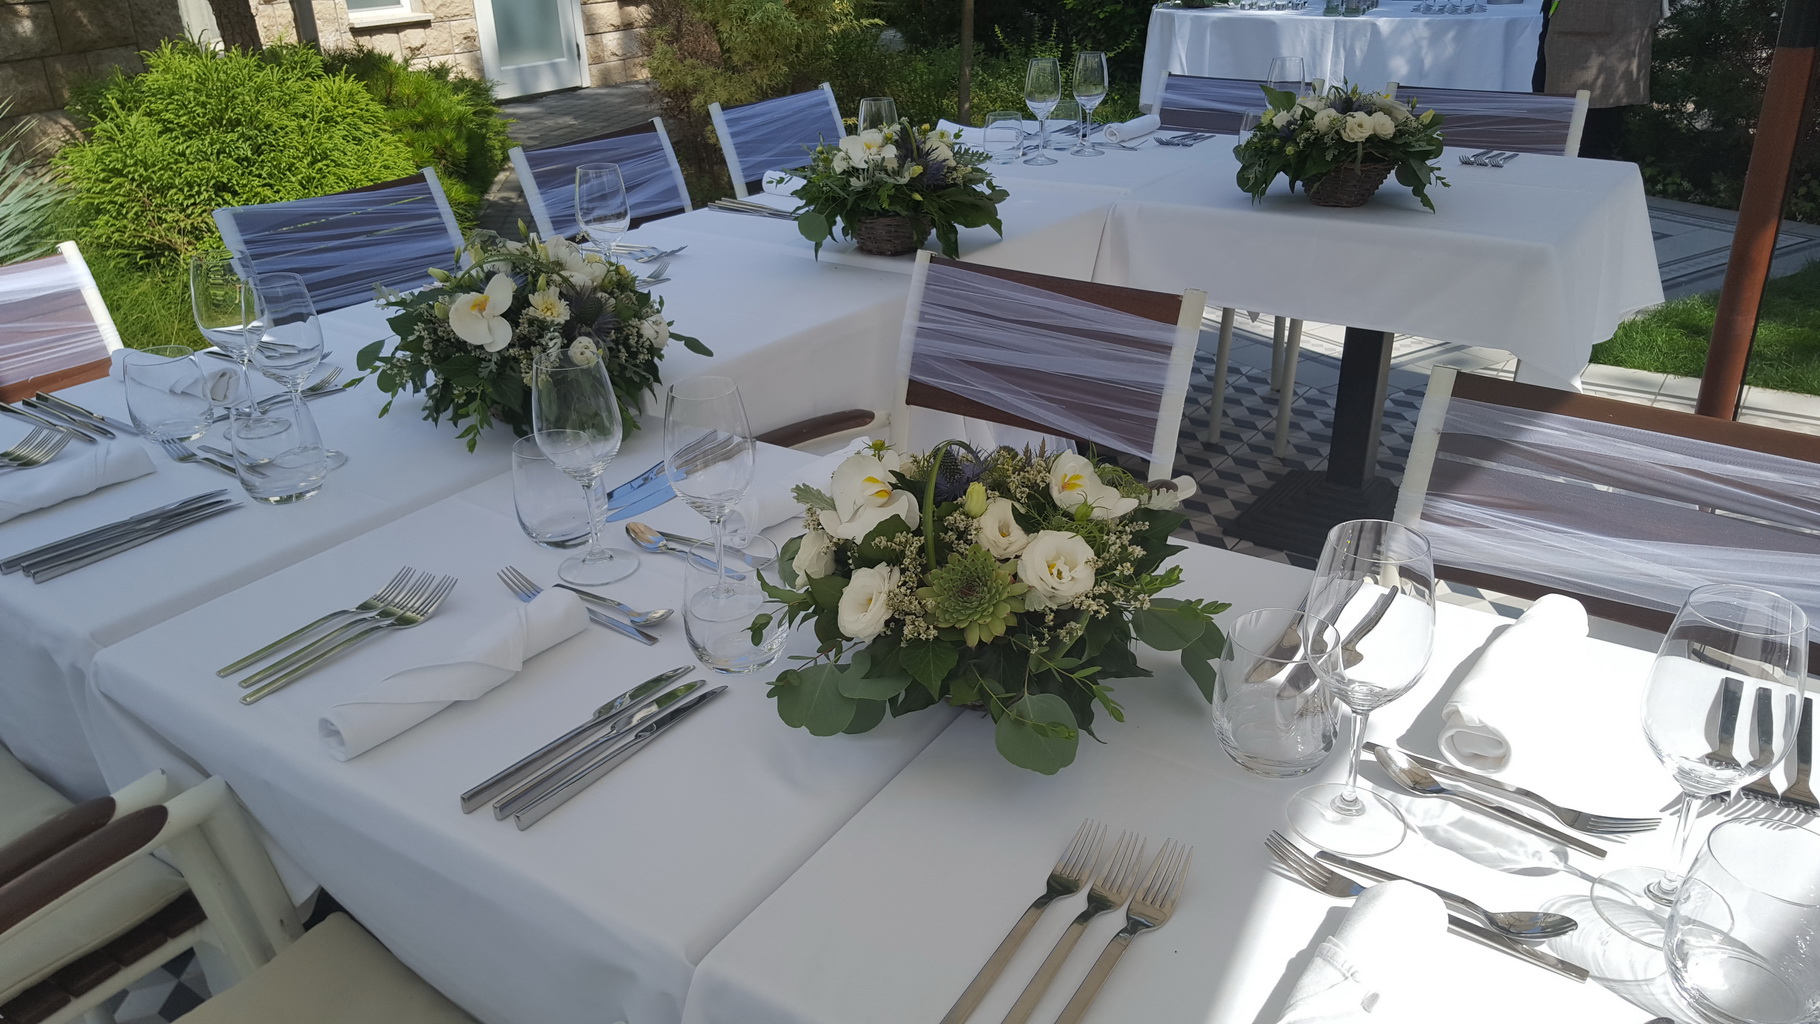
column 1195, row 103
column 654, row 180
column 51, row 319
column 1608, row 510
column 1078, row 368
column 1523, row 122
column 344, row 244
column 775, row 135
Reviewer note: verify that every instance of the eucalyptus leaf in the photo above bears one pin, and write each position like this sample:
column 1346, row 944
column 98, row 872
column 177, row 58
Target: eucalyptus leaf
column 1166, row 628
column 1038, row 732
column 813, row 700
column 866, row 716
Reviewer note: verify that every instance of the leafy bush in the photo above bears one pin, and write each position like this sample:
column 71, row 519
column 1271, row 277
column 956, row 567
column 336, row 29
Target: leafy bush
column 199, row 130
column 28, row 197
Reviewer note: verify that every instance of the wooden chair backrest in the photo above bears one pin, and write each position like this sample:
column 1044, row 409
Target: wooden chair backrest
column 1198, row 103
column 55, row 330
column 654, row 180
column 774, row 135
column 1522, row 122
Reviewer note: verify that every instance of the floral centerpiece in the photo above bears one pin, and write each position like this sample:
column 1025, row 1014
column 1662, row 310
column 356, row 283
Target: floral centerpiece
column 1342, row 144
column 889, row 186
column 468, row 341
column 1012, row 582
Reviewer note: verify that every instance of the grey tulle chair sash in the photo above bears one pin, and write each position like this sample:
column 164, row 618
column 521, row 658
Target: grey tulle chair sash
column 45, row 323
column 650, row 174
column 779, row 134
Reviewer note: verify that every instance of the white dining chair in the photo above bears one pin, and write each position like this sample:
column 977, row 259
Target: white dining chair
column 647, row 162
column 55, row 330
column 1093, row 363
column 1522, row 122
column 344, row 244
column 774, row 135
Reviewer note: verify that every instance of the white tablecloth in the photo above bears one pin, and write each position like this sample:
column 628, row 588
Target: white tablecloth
column 1542, row 257
column 1494, row 50
column 900, row 908
column 599, row 912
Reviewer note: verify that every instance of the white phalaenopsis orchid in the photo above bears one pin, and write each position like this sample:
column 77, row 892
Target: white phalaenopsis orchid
column 1167, row 494
column 479, row 318
column 1073, row 481
column 864, row 496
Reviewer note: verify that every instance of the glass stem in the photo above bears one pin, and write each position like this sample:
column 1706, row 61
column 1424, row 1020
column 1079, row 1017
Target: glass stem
column 246, row 384
column 597, row 517
column 1670, row 882
column 1042, row 135
column 1349, row 797
column 720, row 550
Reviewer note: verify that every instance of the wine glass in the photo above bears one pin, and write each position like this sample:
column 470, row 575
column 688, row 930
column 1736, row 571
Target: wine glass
column 1042, row 91
column 285, row 341
column 222, row 304
column 1726, row 634
column 576, row 418
column 602, row 209
column 1089, row 90
column 1288, row 74
column 877, row 112
column 1376, row 584
column 708, row 450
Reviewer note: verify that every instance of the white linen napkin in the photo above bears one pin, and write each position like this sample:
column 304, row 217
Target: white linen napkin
column 782, row 183
column 71, row 475
column 403, row 699
column 769, row 501
column 1136, row 128
column 1376, row 949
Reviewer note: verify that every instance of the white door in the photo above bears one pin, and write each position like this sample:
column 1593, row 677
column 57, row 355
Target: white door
column 531, row 46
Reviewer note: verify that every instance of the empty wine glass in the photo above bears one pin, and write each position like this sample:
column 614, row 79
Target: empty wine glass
column 602, row 209
column 1067, row 118
column 708, row 450
column 576, row 416
column 1089, row 90
column 877, row 112
column 1003, row 135
column 1726, row 635
column 1042, row 91
column 1376, row 584
column 1288, row 74
column 285, row 340
column 222, row 304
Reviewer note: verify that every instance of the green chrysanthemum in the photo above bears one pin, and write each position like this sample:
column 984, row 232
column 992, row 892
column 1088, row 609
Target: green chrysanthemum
column 975, row 594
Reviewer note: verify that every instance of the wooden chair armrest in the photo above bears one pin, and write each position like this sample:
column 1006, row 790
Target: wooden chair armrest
column 802, row 431
column 89, row 857
column 53, row 836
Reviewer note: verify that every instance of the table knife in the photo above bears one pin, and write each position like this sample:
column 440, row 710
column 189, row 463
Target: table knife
column 16, row 562
column 543, row 756
column 67, row 565
column 600, row 618
column 604, row 735
column 53, row 424
column 612, row 759
column 125, row 428
column 626, row 491
column 62, row 415
column 647, row 499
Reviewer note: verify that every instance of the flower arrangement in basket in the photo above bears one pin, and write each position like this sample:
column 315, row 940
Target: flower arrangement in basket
column 1010, row 581
column 1341, row 146
column 467, row 342
column 887, row 187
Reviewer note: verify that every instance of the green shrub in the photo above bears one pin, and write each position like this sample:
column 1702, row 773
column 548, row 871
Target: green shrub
column 28, row 197
column 198, row 130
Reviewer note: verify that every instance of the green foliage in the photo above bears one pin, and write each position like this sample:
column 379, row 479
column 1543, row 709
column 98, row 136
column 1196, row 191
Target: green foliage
column 29, row 195
column 1309, row 138
column 897, row 171
column 198, row 130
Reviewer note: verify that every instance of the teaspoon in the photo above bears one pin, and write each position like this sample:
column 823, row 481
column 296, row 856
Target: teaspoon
column 633, row 615
column 651, row 540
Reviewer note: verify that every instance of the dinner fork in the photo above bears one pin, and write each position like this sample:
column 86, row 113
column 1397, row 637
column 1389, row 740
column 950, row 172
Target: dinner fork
column 183, row 453
column 1731, row 696
column 1065, row 879
column 1150, row 908
column 418, row 610
column 1764, row 724
column 39, row 447
column 381, row 597
column 388, row 611
column 1591, row 824
column 657, row 274
column 526, row 590
column 1799, row 793
column 1109, row 891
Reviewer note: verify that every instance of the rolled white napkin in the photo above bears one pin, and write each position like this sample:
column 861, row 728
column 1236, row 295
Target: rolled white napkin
column 782, row 183
column 70, row 475
column 1136, row 128
column 403, row 699
column 1377, row 948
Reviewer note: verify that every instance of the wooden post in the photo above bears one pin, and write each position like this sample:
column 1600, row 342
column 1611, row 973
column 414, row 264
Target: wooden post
column 1760, row 209
column 964, row 109
column 234, row 21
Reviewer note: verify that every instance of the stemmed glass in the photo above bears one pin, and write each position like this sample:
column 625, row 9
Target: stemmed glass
column 1725, row 634
column 1288, row 74
column 1089, row 90
column 602, row 209
column 1042, row 91
column 1376, row 584
column 222, row 304
column 576, row 418
column 708, row 450
column 285, row 341
column 877, row 112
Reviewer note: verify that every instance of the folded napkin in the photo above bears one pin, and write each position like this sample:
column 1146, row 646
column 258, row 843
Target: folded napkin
column 782, row 183
column 404, row 699
column 1377, row 948
column 1136, row 128
column 769, row 501
column 76, row 471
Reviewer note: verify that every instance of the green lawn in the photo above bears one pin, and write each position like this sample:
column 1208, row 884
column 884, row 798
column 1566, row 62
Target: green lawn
column 1673, row 338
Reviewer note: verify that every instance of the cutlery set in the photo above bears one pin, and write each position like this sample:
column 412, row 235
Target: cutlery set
column 66, row 418
column 49, row 561
column 1799, row 794
column 1152, row 900
column 408, row 600
column 1489, row 158
column 1591, row 824
column 1185, row 140
column 39, row 447
column 180, row 452
column 748, row 207
column 644, row 253
column 525, row 590
column 546, row 778
column 322, row 388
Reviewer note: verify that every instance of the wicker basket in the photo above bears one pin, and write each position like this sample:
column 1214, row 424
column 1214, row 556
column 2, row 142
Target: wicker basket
column 1349, row 184
column 890, row 236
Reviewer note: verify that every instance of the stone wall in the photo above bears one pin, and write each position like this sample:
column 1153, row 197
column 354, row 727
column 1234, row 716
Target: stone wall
column 46, row 46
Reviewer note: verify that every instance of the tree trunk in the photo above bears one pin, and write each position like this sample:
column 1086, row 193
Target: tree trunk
column 234, row 20
column 964, row 109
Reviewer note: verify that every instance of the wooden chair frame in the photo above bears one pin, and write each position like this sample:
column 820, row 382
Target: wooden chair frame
column 94, row 369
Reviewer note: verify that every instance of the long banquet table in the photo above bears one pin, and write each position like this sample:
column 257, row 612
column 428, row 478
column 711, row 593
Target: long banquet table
column 1494, row 49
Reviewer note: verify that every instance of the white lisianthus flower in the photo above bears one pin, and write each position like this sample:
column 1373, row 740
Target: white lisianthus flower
column 1397, row 111
column 814, row 556
column 583, row 351
column 1073, row 481
column 1325, row 118
column 865, row 605
column 999, row 533
column 656, row 330
column 582, row 269
column 1383, row 125
column 1057, row 566
column 548, row 304
column 1316, row 103
column 478, row 318
column 1167, row 494
column 1357, row 127
column 864, row 497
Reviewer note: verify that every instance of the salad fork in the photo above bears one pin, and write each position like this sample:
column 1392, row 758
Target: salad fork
column 523, row 588
column 1150, row 908
column 388, row 611
column 1117, row 878
column 1065, row 879
column 181, row 452
column 39, row 447
column 415, row 611
column 381, row 598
